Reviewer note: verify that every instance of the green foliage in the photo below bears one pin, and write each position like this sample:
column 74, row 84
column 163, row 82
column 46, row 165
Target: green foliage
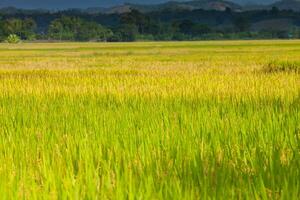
column 144, row 37
column 144, row 24
column 13, row 39
column 186, row 27
column 1, row 29
column 294, row 32
column 73, row 25
column 74, row 28
column 25, row 29
column 282, row 66
column 126, row 33
column 93, row 31
column 242, row 24
column 200, row 29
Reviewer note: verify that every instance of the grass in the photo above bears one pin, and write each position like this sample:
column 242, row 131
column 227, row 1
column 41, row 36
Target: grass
column 186, row 120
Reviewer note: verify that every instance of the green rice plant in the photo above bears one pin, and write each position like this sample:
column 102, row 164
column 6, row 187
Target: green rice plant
column 282, row 66
column 168, row 120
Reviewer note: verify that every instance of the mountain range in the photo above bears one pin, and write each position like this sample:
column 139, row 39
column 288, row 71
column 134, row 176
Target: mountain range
column 219, row 5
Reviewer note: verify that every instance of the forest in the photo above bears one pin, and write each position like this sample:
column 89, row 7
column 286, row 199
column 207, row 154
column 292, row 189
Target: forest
column 165, row 25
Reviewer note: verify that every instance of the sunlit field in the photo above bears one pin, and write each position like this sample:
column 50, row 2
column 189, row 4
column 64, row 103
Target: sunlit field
column 186, row 120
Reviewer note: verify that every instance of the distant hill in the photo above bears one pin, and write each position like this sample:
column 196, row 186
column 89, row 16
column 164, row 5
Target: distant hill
column 8, row 10
column 95, row 10
column 281, row 5
column 13, row 11
column 219, row 5
column 287, row 5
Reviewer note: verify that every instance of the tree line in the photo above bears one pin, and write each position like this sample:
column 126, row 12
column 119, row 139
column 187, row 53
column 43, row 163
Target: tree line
column 73, row 25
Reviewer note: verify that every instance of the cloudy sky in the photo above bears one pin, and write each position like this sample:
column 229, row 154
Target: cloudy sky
column 56, row 4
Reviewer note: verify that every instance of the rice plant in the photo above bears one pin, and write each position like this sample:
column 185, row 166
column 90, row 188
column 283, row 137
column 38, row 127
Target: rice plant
column 186, row 120
column 283, row 66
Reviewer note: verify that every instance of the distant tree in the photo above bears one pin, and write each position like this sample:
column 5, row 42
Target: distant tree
column 126, row 33
column 220, row 19
column 295, row 32
column 228, row 10
column 175, row 27
column 181, row 37
column 93, row 31
column 25, row 29
column 135, row 18
column 186, row 27
column 242, row 24
column 13, row 26
column 2, row 35
column 144, row 24
column 132, row 17
column 134, row 25
column 64, row 28
column 275, row 11
column 29, row 27
column 200, row 29
column 74, row 28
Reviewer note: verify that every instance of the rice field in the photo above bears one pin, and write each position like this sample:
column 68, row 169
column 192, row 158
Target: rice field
column 185, row 120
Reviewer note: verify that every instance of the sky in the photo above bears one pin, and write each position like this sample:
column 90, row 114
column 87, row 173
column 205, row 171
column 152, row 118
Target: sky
column 61, row 4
